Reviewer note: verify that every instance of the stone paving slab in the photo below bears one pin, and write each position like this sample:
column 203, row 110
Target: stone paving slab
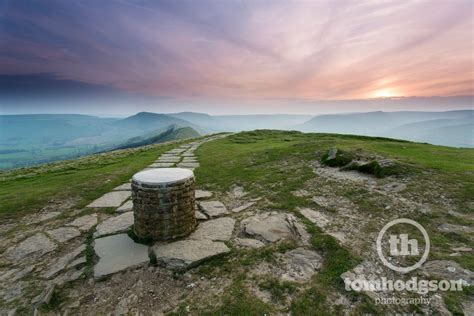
column 84, row 223
column 63, row 234
column 248, row 243
column 213, row 208
column 300, row 264
column 190, row 159
column 117, row 253
column 201, row 194
column 185, row 254
column 176, row 151
column 243, row 207
column 34, row 246
column 126, row 207
column 45, row 216
column 111, row 199
column 162, row 165
column 62, row 262
column 216, row 229
column 269, row 227
column 200, row 216
column 172, row 161
column 115, row 225
column 188, row 165
column 124, row 187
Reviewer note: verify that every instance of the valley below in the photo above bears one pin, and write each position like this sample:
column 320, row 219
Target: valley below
column 28, row 140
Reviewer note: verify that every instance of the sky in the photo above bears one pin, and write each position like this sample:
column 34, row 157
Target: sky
column 123, row 56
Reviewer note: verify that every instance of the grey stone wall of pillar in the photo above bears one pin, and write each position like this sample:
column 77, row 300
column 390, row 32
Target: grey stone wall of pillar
column 164, row 211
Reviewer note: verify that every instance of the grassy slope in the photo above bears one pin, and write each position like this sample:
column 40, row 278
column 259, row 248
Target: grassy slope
column 266, row 163
column 273, row 164
column 166, row 136
column 73, row 182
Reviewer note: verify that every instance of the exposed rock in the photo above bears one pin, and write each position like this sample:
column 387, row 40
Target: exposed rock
column 117, row 253
column 315, row 217
column 216, row 229
column 200, row 216
column 336, row 158
column 68, row 277
column 468, row 307
column 84, row 223
column 111, row 199
column 123, row 307
column 463, row 249
column 22, row 273
column 185, row 254
column 362, row 272
column 298, row 229
column 449, row 270
column 332, row 153
column 394, row 187
column 47, row 295
column 353, row 165
column 439, row 306
column 64, row 234
column 213, row 208
column 126, row 207
column 124, row 187
column 8, row 274
column 76, row 275
column 248, row 243
column 237, row 191
column 79, row 261
column 201, row 194
column 34, row 246
column 448, row 228
column 300, row 193
column 44, row 217
column 270, row 227
column 62, row 262
column 300, row 264
column 243, row 207
column 114, row 225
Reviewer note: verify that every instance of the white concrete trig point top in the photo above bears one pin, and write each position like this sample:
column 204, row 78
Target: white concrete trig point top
column 162, row 176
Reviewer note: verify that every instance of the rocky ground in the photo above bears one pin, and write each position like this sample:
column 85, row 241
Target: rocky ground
column 84, row 262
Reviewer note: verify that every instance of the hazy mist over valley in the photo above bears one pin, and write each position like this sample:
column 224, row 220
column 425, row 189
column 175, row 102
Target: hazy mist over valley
column 38, row 138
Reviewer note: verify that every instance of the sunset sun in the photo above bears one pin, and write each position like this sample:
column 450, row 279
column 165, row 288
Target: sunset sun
column 385, row 93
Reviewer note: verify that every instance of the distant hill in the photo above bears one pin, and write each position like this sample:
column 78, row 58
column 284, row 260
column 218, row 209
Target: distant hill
column 38, row 138
column 449, row 132
column 172, row 133
column 451, row 128
column 205, row 121
column 236, row 123
column 32, row 139
column 49, row 129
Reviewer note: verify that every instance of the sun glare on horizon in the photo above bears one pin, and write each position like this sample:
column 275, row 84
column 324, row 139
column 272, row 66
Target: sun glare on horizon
column 385, row 93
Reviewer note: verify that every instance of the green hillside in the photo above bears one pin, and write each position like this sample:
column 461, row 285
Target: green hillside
column 72, row 183
column 173, row 133
column 281, row 173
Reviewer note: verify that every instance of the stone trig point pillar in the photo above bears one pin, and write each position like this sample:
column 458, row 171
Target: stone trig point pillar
column 163, row 203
